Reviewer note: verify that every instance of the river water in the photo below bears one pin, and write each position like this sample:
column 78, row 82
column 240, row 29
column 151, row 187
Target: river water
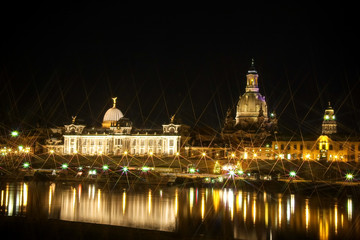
column 188, row 211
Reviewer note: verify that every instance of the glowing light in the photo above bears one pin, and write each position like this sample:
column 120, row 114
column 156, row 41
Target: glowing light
column 105, row 167
column 145, row 168
column 14, row 133
column 231, row 173
column 336, row 218
column 192, row 170
column 21, row 148
column 307, row 214
column 292, row 174
column 349, row 208
column 124, row 202
column 125, row 153
column 202, row 207
column 64, row 166
column 177, row 153
column 245, row 155
column 92, row 172
column 51, row 151
column 204, row 154
column 233, row 155
column 75, row 151
column 125, row 169
column 255, row 155
column 80, row 168
column 26, row 165
column 151, row 153
column 349, row 176
column 240, row 172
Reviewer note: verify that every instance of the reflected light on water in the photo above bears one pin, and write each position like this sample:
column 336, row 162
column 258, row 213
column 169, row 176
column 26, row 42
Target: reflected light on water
column 253, row 218
column 336, row 218
column 176, row 202
column 123, row 202
column 307, row 214
column 279, row 211
column 349, row 208
column 202, row 207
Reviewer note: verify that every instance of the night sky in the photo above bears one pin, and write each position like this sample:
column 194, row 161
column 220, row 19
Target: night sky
column 67, row 59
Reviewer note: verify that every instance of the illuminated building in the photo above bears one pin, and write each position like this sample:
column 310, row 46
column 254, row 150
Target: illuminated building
column 117, row 137
column 252, row 118
column 329, row 122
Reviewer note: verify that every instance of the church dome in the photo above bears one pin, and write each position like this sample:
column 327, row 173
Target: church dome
column 112, row 116
column 250, row 104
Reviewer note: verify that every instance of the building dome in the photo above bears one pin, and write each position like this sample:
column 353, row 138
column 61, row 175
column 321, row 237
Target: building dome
column 112, row 115
column 251, row 104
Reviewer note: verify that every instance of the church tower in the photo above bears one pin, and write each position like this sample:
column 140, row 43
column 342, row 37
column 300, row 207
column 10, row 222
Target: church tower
column 251, row 103
column 329, row 122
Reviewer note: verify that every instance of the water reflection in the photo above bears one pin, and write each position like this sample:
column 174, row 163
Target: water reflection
column 240, row 214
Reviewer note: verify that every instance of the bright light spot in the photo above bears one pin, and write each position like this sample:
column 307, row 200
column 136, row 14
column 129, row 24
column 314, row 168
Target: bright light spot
column 64, row 166
column 14, row 133
column 233, row 155
column 326, row 117
column 125, row 169
column 92, row 172
column 145, row 168
column 255, row 155
column 21, row 148
column 204, row 154
column 125, row 153
column 105, row 167
column 177, row 154
column 75, row 151
column 231, row 173
column 192, row 170
column 51, row 151
column 245, row 155
column 101, row 152
column 292, row 173
column 333, row 117
column 26, row 165
column 349, row 176
column 80, row 168
column 151, row 153
column 240, row 172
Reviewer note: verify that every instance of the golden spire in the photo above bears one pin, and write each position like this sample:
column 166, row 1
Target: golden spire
column 114, row 99
column 172, row 118
column 73, row 119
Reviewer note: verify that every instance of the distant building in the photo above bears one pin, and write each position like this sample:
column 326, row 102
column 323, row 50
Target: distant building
column 252, row 134
column 252, row 123
column 117, row 137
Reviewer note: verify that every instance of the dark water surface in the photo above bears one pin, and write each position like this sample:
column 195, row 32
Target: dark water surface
column 203, row 213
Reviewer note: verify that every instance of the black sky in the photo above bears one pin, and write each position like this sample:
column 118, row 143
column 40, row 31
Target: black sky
column 68, row 59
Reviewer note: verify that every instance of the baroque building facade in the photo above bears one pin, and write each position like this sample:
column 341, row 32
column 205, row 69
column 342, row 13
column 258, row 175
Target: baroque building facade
column 117, row 137
column 251, row 134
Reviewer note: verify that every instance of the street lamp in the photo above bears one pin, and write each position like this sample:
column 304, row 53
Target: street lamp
column 292, row 174
column 349, row 177
column 14, row 133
